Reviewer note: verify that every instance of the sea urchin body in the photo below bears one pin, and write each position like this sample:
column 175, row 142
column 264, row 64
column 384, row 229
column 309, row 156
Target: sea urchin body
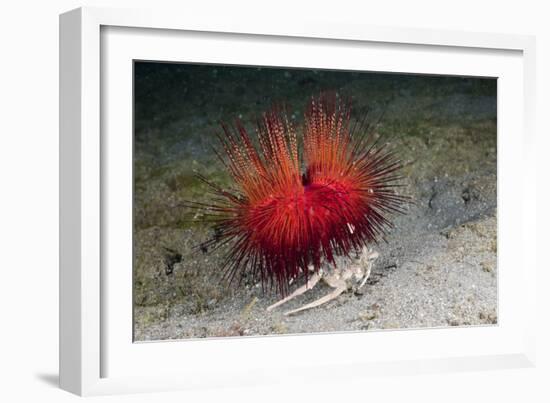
column 299, row 203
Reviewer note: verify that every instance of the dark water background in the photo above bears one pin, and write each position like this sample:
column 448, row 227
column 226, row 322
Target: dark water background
column 175, row 103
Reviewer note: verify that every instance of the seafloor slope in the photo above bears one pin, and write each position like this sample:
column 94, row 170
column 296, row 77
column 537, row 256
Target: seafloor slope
column 438, row 267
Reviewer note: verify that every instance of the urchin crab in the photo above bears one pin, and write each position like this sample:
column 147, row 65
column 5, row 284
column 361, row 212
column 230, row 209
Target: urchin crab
column 297, row 203
column 349, row 277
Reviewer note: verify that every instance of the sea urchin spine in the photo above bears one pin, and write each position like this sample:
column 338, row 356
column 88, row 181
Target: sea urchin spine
column 293, row 206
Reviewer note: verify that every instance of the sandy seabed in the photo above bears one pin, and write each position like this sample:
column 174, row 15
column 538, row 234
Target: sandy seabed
column 438, row 266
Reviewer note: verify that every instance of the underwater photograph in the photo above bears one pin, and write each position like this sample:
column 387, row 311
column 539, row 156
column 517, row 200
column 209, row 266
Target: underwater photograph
column 273, row 201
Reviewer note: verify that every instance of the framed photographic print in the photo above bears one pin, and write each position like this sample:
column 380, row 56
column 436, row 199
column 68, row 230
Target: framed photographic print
column 237, row 208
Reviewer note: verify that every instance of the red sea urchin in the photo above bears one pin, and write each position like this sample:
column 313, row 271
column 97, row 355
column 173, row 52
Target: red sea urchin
column 296, row 205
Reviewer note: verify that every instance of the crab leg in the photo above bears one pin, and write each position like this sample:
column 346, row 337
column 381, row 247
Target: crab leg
column 366, row 276
column 314, row 279
column 320, row 301
column 370, row 258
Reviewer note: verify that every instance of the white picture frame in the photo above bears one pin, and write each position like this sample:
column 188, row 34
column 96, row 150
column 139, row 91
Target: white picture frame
column 96, row 356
